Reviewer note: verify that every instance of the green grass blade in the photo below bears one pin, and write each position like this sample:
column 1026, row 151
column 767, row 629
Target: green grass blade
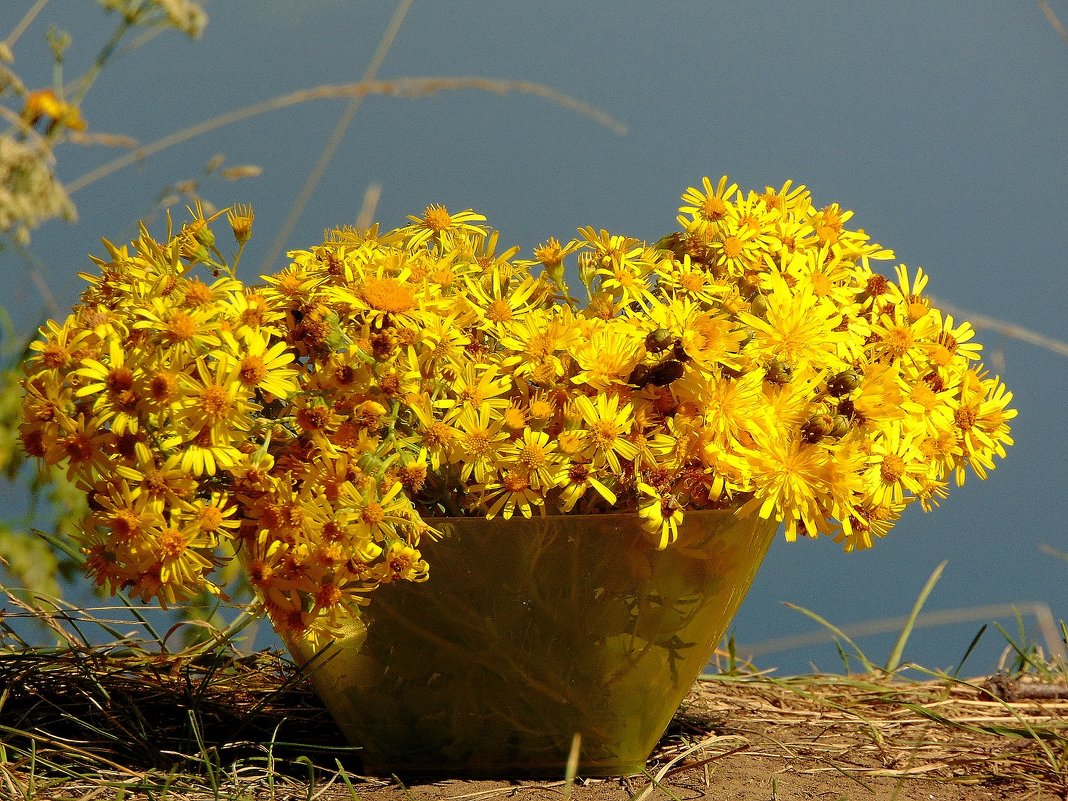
column 894, row 661
column 867, row 663
column 345, row 778
column 971, row 647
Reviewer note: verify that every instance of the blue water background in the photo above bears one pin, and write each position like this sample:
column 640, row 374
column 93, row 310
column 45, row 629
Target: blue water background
column 943, row 125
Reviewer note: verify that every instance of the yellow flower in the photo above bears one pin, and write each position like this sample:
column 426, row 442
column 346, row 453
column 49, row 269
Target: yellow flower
column 868, row 522
column 899, row 338
column 539, row 340
column 165, row 486
column 502, row 303
column 796, row 326
column 118, row 387
column 577, row 478
column 660, row 515
column 402, row 562
column 181, row 560
column 730, row 406
column 214, row 401
column 480, row 437
column 435, row 222
column 981, row 422
column 250, row 309
column 534, row 455
column 511, row 493
column 476, row 387
column 178, row 331
column 788, row 478
column 687, row 280
column 551, row 255
column 608, row 357
column 213, row 516
column 58, row 345
column 735, row 248
column 259, row 365
column 45, row 103
column 622, row 266
column 895, row 467
column 607, row 425
column 911, row 291
column 83, row 443
column 953, row 343
column 712, row 341
column 751, row 361
column 708, row 204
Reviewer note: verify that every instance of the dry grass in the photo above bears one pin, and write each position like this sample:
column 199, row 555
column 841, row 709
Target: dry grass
column 127, row 720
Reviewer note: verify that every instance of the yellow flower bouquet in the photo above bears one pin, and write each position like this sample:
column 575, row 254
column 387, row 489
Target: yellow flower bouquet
column 333, row 425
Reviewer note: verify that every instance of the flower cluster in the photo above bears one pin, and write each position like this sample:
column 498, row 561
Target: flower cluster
column 317, row 424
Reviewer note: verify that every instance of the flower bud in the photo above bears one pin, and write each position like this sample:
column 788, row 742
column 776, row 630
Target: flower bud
column 240, row 218
column 817, row 427
column 843, row 383
column 778, row 372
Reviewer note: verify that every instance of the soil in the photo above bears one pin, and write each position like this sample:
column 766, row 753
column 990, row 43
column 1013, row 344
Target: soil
column 98, row 725
column 823, row 738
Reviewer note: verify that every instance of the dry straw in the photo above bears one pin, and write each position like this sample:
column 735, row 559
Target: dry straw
column 128, row 719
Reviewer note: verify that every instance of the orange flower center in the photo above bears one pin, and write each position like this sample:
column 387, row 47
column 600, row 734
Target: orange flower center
column 210, row 518
column 965, row 417
column 313, row 418
column 892, row 468
column 713, row 208
column 197, row 293
column 119, row 379
column 876, row 285
column 387, row 295
column 252, row 370
column 54, row 355
column 477, row 443
column 172, row 542
column 78, row 447
column 604, row 432
column 181, row 327
column 125, row 524
column 532, row 456
column 161, row 387
column 215, row 401
column 898, row 341
column 328, row 596
column 732, row 247
column 827, row 235
column 373, row 514
column 692, row 282
column 515, row 482
column 499, row 311
column 437, row 434
column 436, row 218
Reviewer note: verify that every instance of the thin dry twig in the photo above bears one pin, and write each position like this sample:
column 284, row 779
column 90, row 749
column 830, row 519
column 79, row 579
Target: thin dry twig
column 410, row 88
column 1011, row 330
column 1054, row 21
column 327, row 154
column 24, row 23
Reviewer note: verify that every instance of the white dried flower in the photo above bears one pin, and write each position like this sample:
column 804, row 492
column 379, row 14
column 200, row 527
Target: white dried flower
column 29, row 190
column 183, row 15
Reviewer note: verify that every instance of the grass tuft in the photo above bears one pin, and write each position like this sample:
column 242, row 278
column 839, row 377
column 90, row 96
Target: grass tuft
column 129, row 720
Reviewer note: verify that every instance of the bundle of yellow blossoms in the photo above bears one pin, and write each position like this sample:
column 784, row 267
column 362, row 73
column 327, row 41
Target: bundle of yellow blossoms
column 318, row 423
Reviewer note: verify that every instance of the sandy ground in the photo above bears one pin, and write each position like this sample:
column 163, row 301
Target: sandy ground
column 822, row 739
column 102, row 727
